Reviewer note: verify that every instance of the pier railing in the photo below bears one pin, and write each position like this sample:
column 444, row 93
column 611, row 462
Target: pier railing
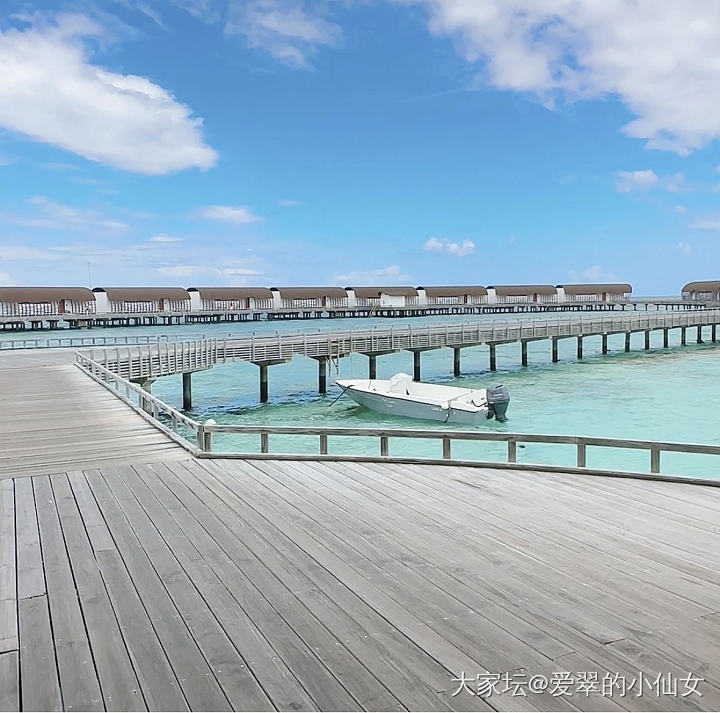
column 200, row 439
column 166, row 357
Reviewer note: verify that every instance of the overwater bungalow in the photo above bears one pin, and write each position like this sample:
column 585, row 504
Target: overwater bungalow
column 45, row 301
column 708, row 290
column 141, row 299
column 309, row 297
column 383, row 296
column 452, row 295
column 230, row 298
column 594, row 293
column 504, row 294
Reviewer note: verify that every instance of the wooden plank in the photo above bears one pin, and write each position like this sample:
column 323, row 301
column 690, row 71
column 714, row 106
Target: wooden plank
column 76, row 667
column 160, row 687
column 30, row 575
column 9, row 681
column 395, row 660
column 651, row 613
column 302, row 676
column 395, row 601
column 175, row 566
column 40, row 688
column 118, row 681
column 317, row 642
column 8, row 579
column 191, row 670
column 357, row 500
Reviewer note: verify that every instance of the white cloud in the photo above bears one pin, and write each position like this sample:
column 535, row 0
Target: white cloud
column 445, row 246
column 6, row 280
column 706, row 224
column 661, row 58
column 240, row 215
column 179, row 270
column 11, row 253
column 283, row 28
column 681, row 209
column 390, row 275
column 162, row 238
column 628, row 181
column 57, row 216
column 188, row 270
column 289, row 203
column 52, row 93
column 684, row 247
column 596, row 273
column 205, row 10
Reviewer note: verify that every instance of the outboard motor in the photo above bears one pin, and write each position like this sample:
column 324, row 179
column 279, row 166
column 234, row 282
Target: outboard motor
column 498, row 399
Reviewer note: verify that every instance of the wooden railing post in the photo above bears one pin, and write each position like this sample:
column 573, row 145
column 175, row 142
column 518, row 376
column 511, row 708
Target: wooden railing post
column 264, row 442
column 512, row 451
column 654, row 460
column 581, row 454
column 323, row 444
column 447, row 448
column 384, row 450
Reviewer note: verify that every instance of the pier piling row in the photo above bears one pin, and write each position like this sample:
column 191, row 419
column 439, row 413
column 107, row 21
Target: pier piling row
column 141, row 363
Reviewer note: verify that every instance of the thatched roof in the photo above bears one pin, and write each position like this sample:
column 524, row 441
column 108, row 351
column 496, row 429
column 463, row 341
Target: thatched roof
column 374, row 292
column 523, row 290
column 143, row 294
column 18, row 295
column 309, row 293
column 454, row 291
column 702, row 286
column 613, row 289
column 232, row 293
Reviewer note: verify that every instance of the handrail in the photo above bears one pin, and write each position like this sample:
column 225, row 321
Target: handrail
column 150, row 407
column 163, row 358
column 634, row 320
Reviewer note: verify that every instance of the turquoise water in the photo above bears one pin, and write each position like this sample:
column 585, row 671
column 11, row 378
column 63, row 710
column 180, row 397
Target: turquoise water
column 664, row 394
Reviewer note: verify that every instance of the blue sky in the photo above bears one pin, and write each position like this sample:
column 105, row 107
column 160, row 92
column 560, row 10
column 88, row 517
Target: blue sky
column 281, row 142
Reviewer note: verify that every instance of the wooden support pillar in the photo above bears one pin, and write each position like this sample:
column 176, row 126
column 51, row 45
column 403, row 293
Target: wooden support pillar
column 264, row 391
column 322, row 374
column 604, row 344
column 416, row 366
column 627, row 341
column 554, row 350
column 699, row 334
column 647, row 339
column 372, row 366
column 683, row 336
column 456, row 361
column 493, row 358
column 524, row 354
column 187, row 390
column 666, row 338
column 579, row 347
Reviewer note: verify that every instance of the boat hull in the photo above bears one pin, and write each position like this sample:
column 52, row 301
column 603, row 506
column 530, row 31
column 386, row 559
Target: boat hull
column 381, row 403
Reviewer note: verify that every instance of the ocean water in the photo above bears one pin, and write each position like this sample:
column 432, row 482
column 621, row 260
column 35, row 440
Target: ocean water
column 663, row 394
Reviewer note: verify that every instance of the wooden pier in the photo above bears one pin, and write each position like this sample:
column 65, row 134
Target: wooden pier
column 55, row 419
column 250, row 585
column 135, row 576
column 145, row 363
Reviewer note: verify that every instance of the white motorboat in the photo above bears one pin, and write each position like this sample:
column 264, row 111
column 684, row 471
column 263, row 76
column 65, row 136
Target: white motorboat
column 401, row 396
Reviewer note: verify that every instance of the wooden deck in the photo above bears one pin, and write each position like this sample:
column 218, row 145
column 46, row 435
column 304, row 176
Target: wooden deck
column 54, row 418
column 262, row 584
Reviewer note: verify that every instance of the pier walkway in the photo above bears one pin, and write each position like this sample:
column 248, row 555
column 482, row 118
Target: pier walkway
column 144, row 363
column 55, row 419
column 262, row 585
